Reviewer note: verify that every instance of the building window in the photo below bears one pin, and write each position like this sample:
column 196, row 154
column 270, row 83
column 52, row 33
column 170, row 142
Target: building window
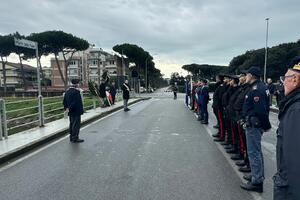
column 72, row 62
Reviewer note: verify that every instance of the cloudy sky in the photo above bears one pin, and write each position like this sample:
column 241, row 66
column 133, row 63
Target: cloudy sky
column 176, row 32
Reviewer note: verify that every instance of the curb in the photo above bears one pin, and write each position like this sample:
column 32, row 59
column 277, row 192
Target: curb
column 38, row 143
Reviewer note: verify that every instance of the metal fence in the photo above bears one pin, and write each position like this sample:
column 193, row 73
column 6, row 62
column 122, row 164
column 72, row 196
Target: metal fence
column 23, row 114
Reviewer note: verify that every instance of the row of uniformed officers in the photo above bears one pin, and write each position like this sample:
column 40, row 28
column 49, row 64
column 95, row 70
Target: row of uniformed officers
column 241, row 107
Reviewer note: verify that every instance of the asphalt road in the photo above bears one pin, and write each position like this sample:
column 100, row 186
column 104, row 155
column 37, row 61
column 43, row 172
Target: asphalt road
column 156, row 151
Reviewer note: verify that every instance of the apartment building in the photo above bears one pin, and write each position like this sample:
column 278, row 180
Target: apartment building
column 14, row 76
column 88, row 66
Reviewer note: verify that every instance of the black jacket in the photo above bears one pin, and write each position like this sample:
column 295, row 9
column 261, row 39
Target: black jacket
column 126, row 91
column 113, row 91
column 240, row 99
column 218, row 98
column 102, row 91
column 230, row 107
column 215, row 103
column 256, row 106
column 288, row 145
column 72, row 101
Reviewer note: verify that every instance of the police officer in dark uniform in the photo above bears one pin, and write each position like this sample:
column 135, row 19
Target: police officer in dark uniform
column 203, row 99
column 233, row 147
column 238, row 106
column 287, row 178
column 73, row 106
column 256, row 116
column 216, row 103
column 225, row 101
column 220, row 137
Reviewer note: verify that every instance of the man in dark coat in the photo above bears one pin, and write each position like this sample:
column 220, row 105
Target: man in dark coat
column 126, row 89
column 74, row 107
column 287, row 178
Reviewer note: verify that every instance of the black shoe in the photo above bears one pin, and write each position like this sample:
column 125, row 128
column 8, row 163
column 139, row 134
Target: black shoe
column 218, row 140
column 216, row 126
column 225, row 143
column 78, row 141
column 240, row 163
column 245, row 169
column 204, row 122
column 237, row 157
column 231, row 151
column 247, row 177
column 216, row 135
column 252, row 187
column 228, row 146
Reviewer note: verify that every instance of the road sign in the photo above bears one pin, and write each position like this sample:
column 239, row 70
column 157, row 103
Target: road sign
column 25, row 43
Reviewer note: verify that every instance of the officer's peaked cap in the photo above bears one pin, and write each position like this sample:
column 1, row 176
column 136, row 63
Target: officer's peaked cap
column 254, row 71
column 295, row 64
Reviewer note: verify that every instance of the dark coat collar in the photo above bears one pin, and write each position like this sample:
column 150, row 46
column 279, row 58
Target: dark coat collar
column 291, row 98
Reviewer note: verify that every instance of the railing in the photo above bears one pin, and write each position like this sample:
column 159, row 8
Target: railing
column 16, row 116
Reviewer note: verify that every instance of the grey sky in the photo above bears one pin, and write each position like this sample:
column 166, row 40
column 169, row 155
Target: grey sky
column 176, row 32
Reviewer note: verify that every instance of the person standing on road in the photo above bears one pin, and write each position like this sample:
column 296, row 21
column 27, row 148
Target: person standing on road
column 113, row 91
column 74, row 107
column 203, row 99
column 175, row 90
column 287, row 177
column 256, row 115
column 126, row 89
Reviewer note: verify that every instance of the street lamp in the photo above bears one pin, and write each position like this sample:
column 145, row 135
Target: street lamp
column 266, row 50
column 146, row 74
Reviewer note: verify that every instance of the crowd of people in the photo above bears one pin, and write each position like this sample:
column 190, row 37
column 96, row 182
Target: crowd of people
column 241, row 105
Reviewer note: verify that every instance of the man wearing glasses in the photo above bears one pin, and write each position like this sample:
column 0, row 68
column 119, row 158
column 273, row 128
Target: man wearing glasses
column 287, row 178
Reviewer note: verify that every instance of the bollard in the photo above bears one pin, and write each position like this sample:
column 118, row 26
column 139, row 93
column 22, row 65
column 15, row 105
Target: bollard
column 3, row 123
column 94, row 103
column 41, row 110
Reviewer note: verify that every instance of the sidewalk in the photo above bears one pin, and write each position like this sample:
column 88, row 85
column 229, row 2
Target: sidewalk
column 25, row 141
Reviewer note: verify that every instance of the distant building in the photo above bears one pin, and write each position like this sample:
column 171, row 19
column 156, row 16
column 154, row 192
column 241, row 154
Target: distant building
column 14, row 76
column 88, row 66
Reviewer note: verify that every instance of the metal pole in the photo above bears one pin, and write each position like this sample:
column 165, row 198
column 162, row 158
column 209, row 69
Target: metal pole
column 1, row 131
column 146, row 85
column 40, row 97
column 4, row 119
column 266, row 50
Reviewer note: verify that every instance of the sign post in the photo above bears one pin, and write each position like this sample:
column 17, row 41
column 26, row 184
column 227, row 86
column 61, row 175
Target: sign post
column 34, row 45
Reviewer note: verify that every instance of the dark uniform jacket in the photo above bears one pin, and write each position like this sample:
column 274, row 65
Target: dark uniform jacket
column 256, row 106
column 239, row 102
column 204, row 95
column 230, row 107
column 125, row 88
column 288, row 146
column 72, row 101
column 216, row 95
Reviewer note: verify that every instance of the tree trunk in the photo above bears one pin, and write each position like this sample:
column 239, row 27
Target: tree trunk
column 67, row 65
column 4, row 74
column 22, row 72
column 42, row 73
column 60, row 71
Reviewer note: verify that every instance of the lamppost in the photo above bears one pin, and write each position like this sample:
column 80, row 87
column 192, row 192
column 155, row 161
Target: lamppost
column 146, row 74
column 266, row 50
